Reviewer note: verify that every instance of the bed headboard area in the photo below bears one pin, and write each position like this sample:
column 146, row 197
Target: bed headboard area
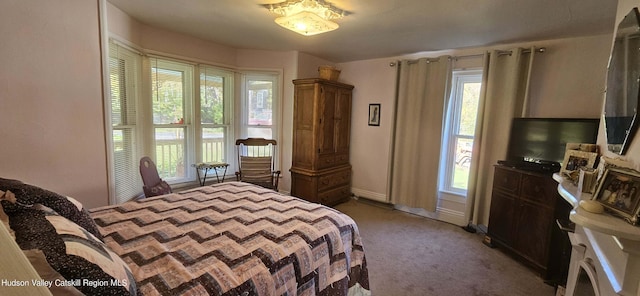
column 61, row 242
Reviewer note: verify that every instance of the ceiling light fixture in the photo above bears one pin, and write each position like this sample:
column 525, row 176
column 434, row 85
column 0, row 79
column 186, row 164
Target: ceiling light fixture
column 306, row 17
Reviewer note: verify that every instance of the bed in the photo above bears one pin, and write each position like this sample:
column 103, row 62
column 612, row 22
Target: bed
column 226, row 239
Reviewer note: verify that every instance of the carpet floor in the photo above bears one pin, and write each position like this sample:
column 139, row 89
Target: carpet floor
column 412, row 255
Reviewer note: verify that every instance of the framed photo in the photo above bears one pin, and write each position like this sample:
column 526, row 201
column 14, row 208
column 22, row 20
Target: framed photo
column 374, row 114
column 618, row 193
column 575, row 159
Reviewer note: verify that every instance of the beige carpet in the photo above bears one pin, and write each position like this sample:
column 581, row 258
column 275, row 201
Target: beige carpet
column 411, row 255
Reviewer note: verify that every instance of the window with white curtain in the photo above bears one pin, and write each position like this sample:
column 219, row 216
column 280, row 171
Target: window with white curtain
column 462, row 111
column 125, row 79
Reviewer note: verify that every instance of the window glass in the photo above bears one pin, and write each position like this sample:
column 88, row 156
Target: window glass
column 167, row 89
column 211, row 98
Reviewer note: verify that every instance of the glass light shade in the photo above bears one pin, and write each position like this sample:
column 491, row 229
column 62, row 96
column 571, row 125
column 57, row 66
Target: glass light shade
column 306, row 23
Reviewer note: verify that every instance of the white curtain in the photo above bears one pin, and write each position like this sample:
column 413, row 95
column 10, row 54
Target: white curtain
column 423, row 86
column 504, row 95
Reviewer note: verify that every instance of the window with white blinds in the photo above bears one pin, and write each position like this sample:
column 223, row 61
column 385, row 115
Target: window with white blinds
column 125, row 79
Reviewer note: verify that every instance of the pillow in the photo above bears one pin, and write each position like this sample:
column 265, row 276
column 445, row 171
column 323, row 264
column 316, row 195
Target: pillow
column 71, row 252
column 27, row 195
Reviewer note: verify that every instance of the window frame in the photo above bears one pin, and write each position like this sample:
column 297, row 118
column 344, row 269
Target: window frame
column 243, row 120
column 188, row 97
column 274, row 78
column 227, row 123
column 451, row 133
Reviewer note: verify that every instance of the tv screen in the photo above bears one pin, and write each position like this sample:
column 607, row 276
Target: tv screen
column 544, row 139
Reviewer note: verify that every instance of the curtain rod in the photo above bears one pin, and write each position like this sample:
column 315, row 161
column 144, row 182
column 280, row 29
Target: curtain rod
column 500, row 52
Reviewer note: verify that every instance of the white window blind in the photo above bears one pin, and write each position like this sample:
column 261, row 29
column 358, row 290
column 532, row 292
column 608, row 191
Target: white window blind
column 124, row 74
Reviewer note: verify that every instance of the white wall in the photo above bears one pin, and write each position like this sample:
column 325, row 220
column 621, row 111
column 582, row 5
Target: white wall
column 374, row 82
column 567, row 81
column 51, row 124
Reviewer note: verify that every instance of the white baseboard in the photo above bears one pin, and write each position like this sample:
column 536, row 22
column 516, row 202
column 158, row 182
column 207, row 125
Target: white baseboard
column 370, row 195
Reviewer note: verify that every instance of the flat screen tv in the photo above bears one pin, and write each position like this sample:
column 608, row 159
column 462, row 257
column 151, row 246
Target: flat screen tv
column 544, row 139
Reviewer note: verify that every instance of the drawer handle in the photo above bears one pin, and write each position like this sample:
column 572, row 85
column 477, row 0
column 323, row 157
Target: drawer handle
column 325, row 182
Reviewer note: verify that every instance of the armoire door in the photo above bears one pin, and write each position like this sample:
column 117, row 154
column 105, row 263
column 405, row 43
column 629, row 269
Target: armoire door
column 326, row 140
column 342, row 126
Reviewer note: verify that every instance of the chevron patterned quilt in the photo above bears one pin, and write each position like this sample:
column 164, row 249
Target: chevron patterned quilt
column 235, row 239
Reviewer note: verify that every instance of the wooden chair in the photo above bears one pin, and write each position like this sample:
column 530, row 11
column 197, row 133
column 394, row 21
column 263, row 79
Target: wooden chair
column 256, row 162
column 152, row 184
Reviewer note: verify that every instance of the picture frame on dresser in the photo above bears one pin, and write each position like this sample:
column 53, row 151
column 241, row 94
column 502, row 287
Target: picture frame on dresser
column 618, row 192
column 575, row 159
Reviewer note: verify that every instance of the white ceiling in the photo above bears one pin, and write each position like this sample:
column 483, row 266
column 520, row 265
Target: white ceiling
column 381, row 28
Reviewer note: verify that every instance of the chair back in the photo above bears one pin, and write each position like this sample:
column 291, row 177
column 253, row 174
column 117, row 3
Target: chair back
column 152, row 183
column 256, row 162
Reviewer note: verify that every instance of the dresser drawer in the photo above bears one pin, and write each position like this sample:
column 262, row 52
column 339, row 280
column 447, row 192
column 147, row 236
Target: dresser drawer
column 335, row 179
column 538, row 189
column 335, row 196
column 506, row 180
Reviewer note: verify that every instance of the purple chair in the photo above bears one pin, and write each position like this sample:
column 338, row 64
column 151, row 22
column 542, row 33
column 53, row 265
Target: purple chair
column 152, row 184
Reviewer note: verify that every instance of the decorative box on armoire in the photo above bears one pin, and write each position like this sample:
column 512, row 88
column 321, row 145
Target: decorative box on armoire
column 320, row 170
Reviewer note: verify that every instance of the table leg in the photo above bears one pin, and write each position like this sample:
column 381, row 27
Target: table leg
column 198, row 175
column 204, row 178
column 225, row 173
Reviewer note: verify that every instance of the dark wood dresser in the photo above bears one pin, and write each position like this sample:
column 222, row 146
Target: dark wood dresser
column 524, row 208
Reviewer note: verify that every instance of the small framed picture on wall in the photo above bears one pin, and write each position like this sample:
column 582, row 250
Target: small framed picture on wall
column 374, row 114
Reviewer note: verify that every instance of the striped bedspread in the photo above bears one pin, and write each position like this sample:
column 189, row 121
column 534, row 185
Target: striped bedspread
column 235, row 239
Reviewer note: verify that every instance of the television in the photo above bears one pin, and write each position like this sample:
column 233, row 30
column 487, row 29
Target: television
column 543, row 140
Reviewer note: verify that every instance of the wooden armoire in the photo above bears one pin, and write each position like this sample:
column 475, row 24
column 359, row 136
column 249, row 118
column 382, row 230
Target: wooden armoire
column 320, row 170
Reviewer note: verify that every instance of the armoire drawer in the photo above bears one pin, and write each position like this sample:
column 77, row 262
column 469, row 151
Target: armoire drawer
column 326, row 161
column 334, row 196
column 342, row 158
column 335, row 179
